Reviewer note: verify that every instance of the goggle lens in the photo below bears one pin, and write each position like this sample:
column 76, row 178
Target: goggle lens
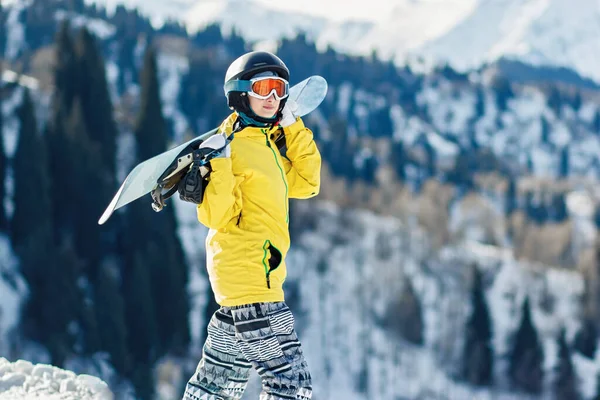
column 264, row 87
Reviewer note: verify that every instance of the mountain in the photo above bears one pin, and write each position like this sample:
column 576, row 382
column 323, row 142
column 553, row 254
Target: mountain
column 425, row 177
column 464, row 33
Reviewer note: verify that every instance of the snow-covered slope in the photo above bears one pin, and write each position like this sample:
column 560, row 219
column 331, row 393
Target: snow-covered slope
column 545, row 32
column 465, row 33
column 23, row 380
column 345, row 279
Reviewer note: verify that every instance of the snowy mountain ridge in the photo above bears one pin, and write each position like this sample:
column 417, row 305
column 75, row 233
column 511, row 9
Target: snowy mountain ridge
column 358, row 284
column 464, row 33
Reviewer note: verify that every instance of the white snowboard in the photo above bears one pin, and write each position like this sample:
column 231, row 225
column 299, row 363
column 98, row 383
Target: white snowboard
column 143, row 178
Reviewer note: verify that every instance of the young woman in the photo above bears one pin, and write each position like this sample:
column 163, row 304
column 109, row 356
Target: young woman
column 245, row 205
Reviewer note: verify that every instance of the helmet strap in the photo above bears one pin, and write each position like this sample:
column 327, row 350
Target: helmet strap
column 248, row 120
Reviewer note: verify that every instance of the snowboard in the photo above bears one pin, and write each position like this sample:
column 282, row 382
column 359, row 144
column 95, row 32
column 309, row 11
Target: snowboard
column 148, row 176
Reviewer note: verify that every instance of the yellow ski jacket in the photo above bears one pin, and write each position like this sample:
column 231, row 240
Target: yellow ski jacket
column 245, row 205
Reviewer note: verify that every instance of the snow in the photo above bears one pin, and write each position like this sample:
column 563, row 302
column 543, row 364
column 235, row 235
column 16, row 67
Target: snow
column 98, row 27
column 587, row 112
column 403, row 29
column 24, row 80
column 12, row 294
column 587, row 370
column 423, row 33
column 24, row 380
column 444, row 149
column 171, row 69
column 10, row 135
column 561, row 135
column 260, row 23
column 529, row 105
column 544, row 162
column 346, row 304
column 580, row 204
column 344, row 93
column 15, row 35
column 342, row 307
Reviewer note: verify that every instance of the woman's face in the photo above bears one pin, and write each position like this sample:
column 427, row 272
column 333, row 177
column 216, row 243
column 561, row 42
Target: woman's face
column 264, row 108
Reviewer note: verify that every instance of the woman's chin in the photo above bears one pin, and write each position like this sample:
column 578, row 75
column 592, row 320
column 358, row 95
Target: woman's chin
column 268, row 115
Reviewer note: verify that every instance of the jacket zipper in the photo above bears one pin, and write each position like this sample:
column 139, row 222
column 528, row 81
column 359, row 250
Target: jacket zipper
column 287, row 217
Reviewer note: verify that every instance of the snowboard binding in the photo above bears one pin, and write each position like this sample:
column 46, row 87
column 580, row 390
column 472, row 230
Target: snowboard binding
column 190, row 159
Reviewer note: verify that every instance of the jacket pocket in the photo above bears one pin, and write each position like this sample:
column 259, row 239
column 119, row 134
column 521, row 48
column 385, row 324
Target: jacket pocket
column 271, row 260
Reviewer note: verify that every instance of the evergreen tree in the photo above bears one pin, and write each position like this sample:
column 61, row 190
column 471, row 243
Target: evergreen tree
column 72, row 300
column 565, row 382
column 84, row 174
column 60, row 147
column 555, row 100
column 478, row 353
column 141, row 326
column 526, row 355
column 576, row 101
column 110, row 314
column 32, row 190
column 369, row 169
column 431, row 159
column 339, row 151
column 154, row 236
column 545, row 128
column 564, row 168
column 151, row 129
column 406, row 316
column 479, row 104
column 53, row 304
column 3, row 160
column 76, row 6
column 596, row 122
column 511, row 202
column 96, row 102
column 462, row 175
column 503, row 92
column 78, row 177
column 380, row 123
column 586, row 338
column 534, row 208
column 399, row 159
column 66, row 77
column 40, row 25
column 558, row 207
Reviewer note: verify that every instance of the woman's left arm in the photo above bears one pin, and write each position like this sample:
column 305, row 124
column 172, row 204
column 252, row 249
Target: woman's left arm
column 302, row 161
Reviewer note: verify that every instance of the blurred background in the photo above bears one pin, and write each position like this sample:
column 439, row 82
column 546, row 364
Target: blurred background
column 451, row 254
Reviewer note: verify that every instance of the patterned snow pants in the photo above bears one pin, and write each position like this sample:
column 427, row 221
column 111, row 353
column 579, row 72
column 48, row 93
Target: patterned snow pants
column 258, row 335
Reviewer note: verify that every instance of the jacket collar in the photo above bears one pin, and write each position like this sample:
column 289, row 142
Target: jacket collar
column 248, row 131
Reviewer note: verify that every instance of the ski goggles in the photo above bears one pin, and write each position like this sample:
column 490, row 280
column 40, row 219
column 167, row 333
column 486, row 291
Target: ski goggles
column 260, row 88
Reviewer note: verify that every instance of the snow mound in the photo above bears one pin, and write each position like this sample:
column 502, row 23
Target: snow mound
column 24, row 380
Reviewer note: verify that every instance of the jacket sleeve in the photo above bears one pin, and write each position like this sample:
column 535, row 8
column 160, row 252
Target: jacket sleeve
column 222, row 197
column 302, row 162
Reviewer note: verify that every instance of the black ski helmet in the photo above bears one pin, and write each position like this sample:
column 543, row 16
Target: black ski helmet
column 244, row 68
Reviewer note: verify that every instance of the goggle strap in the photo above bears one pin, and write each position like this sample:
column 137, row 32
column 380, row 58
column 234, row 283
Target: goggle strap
column 237, row 86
